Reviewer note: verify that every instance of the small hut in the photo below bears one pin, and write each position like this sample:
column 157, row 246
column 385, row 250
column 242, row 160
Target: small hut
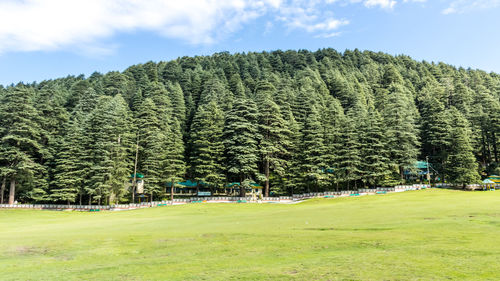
column 495, row 179
column 140, row 183
column 420, row 171
column 488, row 184
column 234, row 188
column 191, row 188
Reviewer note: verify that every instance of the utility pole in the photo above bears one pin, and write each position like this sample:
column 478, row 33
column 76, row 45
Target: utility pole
column 428, row 174
column 134, row 181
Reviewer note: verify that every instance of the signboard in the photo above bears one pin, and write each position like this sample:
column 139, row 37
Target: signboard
column 140, row 187
column 204, row 193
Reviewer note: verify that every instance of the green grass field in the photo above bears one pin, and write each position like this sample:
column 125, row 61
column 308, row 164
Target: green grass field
column 421, row 235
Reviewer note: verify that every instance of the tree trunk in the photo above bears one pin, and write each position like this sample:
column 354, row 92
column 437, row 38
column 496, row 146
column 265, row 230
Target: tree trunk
column 401, row 172
column 12, row 191
column 133, row 192
column 266, row 168
column 80, row 195
column 172, row 193
column 495, row 149
column 2, row 190
column 242, row 188
column 485, row 157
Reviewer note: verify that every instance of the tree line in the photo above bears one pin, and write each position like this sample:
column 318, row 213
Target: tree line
column 293, row 121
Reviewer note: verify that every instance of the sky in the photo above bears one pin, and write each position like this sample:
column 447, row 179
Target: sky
column 46, row 39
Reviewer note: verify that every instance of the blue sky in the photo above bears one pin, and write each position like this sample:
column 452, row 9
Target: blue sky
column 43, row 39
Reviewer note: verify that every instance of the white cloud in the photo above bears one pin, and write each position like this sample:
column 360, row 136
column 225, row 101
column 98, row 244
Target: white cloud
column 308, row 16
column 464, row 6
column 51, row 24
column 40, row 25
column 328, row 35
column 386, row 4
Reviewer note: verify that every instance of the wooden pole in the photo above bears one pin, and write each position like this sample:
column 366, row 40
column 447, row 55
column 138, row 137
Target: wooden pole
column 134, row 181
column 428, row 174
column 2, row 190
column 266, row 168
column 12, row 190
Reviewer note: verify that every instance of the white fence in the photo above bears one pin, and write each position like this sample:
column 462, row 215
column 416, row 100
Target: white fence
column 468, row 187
column 281, row 199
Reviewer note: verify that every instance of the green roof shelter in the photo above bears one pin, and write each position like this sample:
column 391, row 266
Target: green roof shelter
column 188, row 184
column 421, row 165
column 237, row 185
column 489, row 184
column 494, row 178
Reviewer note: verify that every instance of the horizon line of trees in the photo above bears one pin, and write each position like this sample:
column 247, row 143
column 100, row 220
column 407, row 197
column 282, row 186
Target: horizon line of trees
column 294, row 121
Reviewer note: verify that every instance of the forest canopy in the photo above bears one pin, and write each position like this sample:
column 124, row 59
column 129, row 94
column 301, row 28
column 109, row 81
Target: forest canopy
column 292, row 121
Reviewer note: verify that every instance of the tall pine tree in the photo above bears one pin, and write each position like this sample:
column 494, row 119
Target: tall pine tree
column 461, row 165
column 240, row 142
column 20, row 140
column 207, row 145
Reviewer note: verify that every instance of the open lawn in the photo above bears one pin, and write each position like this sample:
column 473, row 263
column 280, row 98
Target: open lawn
column 421, row 235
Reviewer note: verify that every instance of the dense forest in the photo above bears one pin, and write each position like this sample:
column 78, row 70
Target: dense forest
column 293, row 121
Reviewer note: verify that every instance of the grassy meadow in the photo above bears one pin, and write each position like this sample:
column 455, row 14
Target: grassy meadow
column 422, row 235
